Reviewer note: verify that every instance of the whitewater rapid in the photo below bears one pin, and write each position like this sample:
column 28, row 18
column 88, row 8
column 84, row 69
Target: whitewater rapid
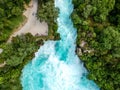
column 56, row 65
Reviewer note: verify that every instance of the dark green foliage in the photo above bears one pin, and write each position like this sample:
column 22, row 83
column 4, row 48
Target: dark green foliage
column 98, row 9
column 10, row 11
column 114, row 16
column 48, row 13
column 102, row 37
column 17, row 54
column 26, row 1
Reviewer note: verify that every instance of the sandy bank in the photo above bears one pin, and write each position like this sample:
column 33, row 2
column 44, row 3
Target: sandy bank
column 33, row 26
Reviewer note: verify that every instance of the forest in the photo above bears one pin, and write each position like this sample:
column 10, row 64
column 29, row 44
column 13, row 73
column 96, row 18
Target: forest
column 98, row 40
column 21, row 50
column 10, row 16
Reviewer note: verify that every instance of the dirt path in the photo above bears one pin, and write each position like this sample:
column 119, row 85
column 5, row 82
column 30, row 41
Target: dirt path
column 33, row 26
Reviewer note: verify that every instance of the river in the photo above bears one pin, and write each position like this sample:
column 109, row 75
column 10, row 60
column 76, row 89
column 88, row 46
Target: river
column 56, row 65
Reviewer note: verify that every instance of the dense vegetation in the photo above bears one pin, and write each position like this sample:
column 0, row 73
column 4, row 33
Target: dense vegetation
column 98, row 26
column 22, row 48
column 10, row 16
column 16, row 55
column 48, row 13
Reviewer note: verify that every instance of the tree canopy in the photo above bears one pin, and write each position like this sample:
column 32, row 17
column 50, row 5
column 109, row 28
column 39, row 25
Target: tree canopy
column 98, row 25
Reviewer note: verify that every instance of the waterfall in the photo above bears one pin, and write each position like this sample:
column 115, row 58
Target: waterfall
column 56, row 65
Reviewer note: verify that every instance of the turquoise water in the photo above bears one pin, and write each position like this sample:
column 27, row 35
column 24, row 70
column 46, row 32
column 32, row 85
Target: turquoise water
column 56, row 65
